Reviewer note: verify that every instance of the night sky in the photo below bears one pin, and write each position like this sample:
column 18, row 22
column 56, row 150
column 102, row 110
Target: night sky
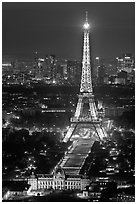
column 56, row 28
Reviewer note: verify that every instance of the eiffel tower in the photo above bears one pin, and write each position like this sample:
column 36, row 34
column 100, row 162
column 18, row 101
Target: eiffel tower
column 86, row 122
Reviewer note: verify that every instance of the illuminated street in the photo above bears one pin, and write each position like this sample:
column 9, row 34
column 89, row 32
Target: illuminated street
column 75, row 157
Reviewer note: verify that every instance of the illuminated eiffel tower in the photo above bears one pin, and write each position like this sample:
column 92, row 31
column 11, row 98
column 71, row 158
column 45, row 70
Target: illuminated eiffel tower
column 86, row 122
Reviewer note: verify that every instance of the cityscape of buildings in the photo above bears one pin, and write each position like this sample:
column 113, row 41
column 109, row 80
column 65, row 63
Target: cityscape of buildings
column 55, row 71
column 68, row 131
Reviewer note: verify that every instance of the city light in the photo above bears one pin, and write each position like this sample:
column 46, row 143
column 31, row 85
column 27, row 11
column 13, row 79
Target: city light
column 67, row 126
column 6, row 64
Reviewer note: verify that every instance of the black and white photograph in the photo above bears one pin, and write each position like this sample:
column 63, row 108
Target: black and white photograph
column 68, row 101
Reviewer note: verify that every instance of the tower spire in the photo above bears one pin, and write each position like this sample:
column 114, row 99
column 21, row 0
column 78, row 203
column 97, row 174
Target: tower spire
column 86, row 16
column 86, row 120
column 86, row 83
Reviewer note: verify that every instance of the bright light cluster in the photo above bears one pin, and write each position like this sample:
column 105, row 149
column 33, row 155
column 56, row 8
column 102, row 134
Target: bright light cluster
column 86, row 26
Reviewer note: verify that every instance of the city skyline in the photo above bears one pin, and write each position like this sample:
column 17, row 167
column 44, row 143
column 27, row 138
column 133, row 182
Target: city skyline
column 49, row 28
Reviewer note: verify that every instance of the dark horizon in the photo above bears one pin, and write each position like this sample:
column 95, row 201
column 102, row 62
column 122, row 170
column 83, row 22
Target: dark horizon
column 56, row 28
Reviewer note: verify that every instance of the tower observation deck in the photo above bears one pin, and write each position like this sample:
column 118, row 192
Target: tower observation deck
column 86, row 126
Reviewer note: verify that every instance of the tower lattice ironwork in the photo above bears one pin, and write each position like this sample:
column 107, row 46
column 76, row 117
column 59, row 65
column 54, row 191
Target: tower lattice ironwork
column 86, row 122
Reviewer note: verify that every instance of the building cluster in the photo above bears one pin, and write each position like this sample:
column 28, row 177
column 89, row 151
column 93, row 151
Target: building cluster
column 42, row 184
column 50, row 69
column 37, row 184
column 118, row 71
column 56, row 71
column 91, row 153
column 13, row 189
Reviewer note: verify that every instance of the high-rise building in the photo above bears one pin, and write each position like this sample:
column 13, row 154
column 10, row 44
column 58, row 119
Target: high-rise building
column 35, row 63
column 110, row 66
column 50, row 67
column 125, row 63
column 96, row 66
column 61, row 71
column 40, row 66
column 74, row 71
column 101, row 73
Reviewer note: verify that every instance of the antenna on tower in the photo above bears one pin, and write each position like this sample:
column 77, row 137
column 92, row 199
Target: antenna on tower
column 86, row 16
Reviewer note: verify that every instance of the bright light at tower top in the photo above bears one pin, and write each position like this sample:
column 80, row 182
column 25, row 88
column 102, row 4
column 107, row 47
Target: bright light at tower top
column 86, row 25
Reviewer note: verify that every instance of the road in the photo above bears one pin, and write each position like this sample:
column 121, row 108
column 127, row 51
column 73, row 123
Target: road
column 76, row 155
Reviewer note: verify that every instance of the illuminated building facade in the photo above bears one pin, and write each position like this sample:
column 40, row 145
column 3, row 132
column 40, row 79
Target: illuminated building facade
column 74, row 71
column 40, row 68
column 101, row 73
column 125, row 63
column 50, row 67
column 96, row 66
column 57, row 180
